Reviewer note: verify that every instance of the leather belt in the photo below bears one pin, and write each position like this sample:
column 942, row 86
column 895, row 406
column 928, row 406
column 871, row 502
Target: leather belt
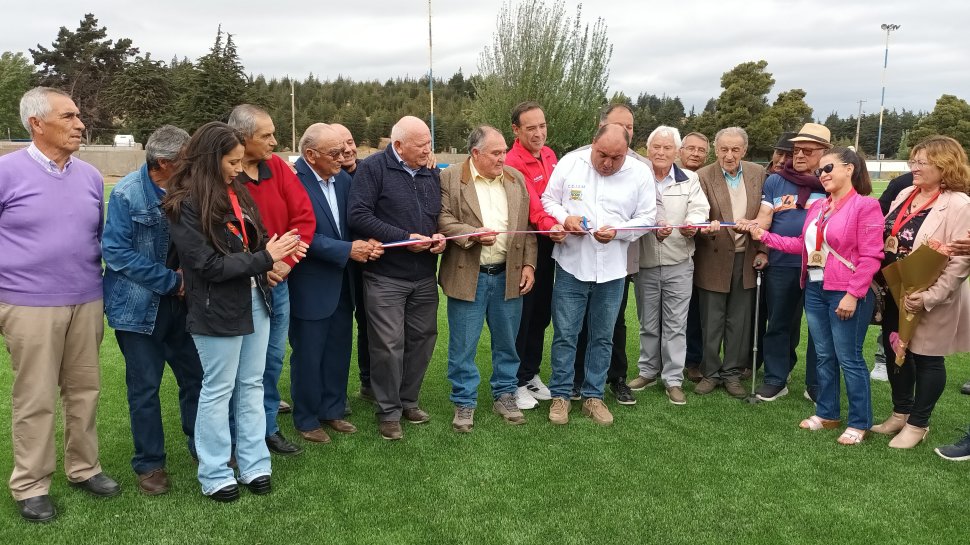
column 498, row 268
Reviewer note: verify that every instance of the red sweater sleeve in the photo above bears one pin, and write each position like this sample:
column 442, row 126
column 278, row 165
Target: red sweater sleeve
column 298, row 207
column 537, row 214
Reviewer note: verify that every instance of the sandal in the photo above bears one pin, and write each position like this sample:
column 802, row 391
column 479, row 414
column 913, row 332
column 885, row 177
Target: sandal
column 814, row 423
column 851, row 436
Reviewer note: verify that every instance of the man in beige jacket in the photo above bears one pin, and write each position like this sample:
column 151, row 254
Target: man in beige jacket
column 665, row 280
column 484, row 274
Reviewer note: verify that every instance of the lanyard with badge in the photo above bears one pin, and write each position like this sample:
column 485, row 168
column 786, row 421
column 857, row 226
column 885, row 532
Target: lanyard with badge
column 816, row 259
column 237, row 211
column 902, row 218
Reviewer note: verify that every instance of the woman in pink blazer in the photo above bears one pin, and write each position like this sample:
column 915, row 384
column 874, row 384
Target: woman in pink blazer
column 841, row 247
column 936, row 209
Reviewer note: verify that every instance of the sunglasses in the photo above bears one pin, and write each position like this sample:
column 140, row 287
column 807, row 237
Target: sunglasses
column 807, row 152
column 826, row 169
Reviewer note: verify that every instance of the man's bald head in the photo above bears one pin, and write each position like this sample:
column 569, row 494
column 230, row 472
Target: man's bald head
column 609, row 149
column 322, row 149
column 349, row 159
column 411, row 139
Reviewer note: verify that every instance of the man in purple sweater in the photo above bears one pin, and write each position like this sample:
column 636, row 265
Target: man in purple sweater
column 51, row 210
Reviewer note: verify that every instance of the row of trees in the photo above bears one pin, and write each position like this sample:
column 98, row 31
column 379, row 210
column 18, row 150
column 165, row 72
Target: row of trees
column 554, row 59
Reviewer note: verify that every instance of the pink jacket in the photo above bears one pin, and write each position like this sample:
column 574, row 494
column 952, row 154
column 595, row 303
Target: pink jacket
column 855, row 232
column 944, row 328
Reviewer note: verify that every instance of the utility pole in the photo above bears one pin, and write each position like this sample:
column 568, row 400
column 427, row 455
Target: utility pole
column 292, row 114
column 885, row 63
column 858, row 125
column 431, row 75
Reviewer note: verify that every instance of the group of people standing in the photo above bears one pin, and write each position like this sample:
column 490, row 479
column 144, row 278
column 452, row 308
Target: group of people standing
column 216, row 253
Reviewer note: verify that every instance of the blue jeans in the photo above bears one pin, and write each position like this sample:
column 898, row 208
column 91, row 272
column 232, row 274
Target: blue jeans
column 465, row 320
column 279, row 326
column 145, row 357
column 785, row 299
column 839, row 343
column 233, row 368
column 572, row 300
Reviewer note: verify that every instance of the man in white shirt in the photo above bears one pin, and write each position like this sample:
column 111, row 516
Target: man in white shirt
column 592, row 192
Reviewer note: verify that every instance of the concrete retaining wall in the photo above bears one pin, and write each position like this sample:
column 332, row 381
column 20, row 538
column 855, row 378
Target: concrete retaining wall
column 109, row 160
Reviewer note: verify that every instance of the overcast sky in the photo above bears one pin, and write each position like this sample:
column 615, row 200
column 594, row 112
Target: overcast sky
column 832, row 50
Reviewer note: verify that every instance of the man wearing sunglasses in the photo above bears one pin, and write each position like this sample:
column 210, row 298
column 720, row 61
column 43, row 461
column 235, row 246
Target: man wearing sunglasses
column 283, row 205
column 787, row 195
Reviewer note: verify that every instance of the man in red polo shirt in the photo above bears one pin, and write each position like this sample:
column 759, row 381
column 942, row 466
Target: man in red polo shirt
column 530, row 156
column 283, row 205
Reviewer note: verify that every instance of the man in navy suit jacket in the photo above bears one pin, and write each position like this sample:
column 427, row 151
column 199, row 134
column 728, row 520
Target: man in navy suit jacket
column 321, row 291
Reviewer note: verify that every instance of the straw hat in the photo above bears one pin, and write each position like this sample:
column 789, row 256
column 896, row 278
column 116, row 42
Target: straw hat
column 813, row 132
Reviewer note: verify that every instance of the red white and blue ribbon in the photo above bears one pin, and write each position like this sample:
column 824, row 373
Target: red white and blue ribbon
column 415, row 242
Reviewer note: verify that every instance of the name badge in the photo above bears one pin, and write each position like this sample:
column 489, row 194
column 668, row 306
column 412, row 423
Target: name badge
column 816, row 259
column 892, row 245
column 575, row 194
column 815, row 274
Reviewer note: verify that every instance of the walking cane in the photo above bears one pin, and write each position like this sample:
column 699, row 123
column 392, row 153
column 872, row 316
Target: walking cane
column 752, row 399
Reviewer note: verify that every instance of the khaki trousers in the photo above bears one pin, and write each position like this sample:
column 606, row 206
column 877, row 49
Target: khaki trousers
column 53, row 348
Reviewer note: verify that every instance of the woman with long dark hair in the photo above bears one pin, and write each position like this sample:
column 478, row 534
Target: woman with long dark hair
column 841, row 248
column 225, row 255
column 936, row 208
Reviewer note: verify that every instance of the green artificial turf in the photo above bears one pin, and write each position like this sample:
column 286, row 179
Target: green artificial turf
column 714, row 471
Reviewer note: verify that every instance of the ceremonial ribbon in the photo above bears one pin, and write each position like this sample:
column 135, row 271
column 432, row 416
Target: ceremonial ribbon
column 414, row 242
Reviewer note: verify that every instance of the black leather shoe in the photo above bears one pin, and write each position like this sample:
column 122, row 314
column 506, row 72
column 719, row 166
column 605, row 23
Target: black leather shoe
column 279, row 445
column 100, row 485
column 37, row 509
column 260, row 485
column 226, row 494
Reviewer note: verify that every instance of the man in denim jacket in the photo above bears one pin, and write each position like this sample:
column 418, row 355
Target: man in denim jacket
column 143, row 302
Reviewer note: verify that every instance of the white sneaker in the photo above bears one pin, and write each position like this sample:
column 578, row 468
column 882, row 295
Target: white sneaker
column 524, row 400
column 538, row 389
column 879, row 373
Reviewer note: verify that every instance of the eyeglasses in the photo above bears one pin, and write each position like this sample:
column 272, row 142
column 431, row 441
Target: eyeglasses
column 826, row 169
column 807, row 152
column 334, row 153
column 918, row 165
column 695, row 149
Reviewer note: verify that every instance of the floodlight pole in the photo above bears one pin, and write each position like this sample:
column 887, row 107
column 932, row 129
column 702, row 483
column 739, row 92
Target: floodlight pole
column 293, row 115
column 431, row 75
column 858, row 125
column 885, row 63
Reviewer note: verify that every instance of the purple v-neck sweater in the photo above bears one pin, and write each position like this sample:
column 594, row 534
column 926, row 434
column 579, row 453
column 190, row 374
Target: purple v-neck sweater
column 50, row 233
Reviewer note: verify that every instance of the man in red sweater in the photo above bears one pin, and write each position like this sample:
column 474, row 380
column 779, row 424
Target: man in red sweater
column 283, row 205
column 535, row 160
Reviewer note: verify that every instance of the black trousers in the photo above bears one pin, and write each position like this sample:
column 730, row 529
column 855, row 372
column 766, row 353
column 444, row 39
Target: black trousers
column 360, row 314
column 916, row 385
column 536, row 313
column 618, row 360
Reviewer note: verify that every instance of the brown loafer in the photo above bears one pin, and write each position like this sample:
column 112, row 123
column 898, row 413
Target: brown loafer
column 341, row 426
column 316, row 436
column 415, row 415
column 390, row 430
column 154, row 482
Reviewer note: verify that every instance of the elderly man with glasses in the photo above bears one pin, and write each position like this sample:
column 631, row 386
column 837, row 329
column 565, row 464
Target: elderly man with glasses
column 785, row 200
